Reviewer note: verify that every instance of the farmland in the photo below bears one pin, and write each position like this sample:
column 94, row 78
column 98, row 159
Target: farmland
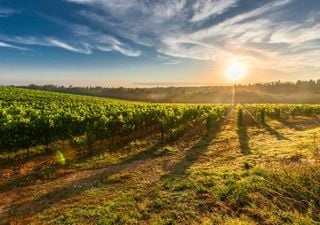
column 68, row 159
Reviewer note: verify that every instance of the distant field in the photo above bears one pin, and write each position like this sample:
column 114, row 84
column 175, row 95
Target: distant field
column 69, row 159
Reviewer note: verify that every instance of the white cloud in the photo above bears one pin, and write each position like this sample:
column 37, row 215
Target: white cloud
column 155, row 9
column 103, row 42
column 144, row 22
column 295, row 33
column 108, row 43
column 245, row 36
column 126, row 51
column 60, row 44
column 168, row 27
column 204, row 9
column 5, row 45
column 89, row 41
column 46, row 41
column 242, row 21
column 262, row 36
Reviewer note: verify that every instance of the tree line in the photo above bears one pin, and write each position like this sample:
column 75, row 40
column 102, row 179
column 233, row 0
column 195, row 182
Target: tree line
column 271, row 92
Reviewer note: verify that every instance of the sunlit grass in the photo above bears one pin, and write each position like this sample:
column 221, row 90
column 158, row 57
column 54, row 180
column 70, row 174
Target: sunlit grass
column 192, row 180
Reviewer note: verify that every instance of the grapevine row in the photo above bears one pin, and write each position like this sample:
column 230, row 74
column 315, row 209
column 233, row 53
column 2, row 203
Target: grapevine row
column 29, row 118
column 284, row 111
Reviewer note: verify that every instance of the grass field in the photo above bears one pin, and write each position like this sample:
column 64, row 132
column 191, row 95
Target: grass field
column 248, row 174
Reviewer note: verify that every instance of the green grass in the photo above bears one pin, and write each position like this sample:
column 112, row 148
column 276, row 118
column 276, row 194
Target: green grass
column 196, row 178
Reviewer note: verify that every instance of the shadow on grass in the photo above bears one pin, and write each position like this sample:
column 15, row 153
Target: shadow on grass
column 48, row 173
column 27, row 179
column 274, row 132
column 243, row 138
column 79, row 186
column 193, row 154
column 112, row 145
column 93, row 181
column 300, row 125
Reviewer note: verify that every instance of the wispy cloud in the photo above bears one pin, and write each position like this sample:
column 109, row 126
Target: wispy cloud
column 5, row 12
column 88, row 42
column 60, row 44
column 5, row 45
column 103, row 42
column 262, row 33
column 45, row 41
column 204, row 9
column 171, row 28
column 167, row 60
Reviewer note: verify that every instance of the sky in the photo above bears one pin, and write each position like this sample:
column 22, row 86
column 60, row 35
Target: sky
column 157, row 42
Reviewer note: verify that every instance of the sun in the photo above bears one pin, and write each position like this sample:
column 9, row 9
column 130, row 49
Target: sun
column 236, row 71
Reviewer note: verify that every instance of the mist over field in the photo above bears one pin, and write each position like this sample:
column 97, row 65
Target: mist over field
column 275, row 92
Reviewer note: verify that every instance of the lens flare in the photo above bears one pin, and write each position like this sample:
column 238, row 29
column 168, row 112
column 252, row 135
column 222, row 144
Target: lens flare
column 60, row 158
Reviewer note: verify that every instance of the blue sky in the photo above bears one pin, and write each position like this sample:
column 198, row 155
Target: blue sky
column 182, row 42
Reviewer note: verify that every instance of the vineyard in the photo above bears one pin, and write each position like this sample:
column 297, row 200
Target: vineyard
column 71, row 159
column 30, row 118
column 278, row 111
